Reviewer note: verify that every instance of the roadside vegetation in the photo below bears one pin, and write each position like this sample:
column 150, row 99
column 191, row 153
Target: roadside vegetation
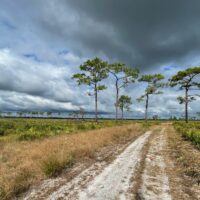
column 190, row 131
column 186, row 162
column 31, row 129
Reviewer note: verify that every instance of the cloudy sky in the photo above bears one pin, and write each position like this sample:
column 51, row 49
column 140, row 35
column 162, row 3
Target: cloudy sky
column 42, row 44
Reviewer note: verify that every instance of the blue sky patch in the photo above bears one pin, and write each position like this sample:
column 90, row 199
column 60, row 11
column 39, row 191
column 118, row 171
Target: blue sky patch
column 32, row 56
column 8, row 25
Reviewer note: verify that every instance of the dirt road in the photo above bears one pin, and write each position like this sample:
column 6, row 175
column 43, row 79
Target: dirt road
column 140, row 171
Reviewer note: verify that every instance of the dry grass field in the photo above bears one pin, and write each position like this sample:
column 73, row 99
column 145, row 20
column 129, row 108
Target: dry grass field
column 23, row 163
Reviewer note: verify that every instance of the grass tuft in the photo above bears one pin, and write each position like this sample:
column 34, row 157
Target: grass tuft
column 2, row 193
column 22, row 181
column 52, row 167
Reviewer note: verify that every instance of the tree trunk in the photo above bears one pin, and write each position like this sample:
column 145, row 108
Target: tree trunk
column 146, row 106
column 96, row 106
column 122, row 113
column 117, row 99
column 186, row 105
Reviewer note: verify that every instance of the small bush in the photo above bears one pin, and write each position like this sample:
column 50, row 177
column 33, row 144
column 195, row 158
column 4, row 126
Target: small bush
column 6, row 131
column 81, row 127
column 2, row 193
column 32, row 135
column 27, row 136
column 189, row 131
column 2, row 131
column 52, row 167
column 92, row 126
column 22, row 182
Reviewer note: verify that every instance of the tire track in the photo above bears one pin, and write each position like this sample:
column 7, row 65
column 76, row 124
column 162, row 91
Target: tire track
column 155, row 183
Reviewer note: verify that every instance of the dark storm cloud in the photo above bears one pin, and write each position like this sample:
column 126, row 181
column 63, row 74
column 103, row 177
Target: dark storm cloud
column 137, row 32
column 155, row 32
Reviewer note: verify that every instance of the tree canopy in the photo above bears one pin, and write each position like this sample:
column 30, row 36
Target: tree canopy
column 124, row 103
column 94, row 71
column 153, row 85
column 124, row 75
column 186, row 80
column 153, row 81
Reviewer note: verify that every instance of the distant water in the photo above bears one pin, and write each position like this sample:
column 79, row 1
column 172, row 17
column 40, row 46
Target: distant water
column 68, row 115
column 76, row 114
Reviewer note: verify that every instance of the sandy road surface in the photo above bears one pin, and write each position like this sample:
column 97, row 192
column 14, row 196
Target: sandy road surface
column 113, row 182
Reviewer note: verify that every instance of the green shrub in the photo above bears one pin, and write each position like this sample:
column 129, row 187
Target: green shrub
column 81, row 127
column 2, row 193
column 92, row 126
column 2, row 131
column 190, row 131
column 30, row 135
column 52, row 167
column 22, row 182
column 31, row 129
